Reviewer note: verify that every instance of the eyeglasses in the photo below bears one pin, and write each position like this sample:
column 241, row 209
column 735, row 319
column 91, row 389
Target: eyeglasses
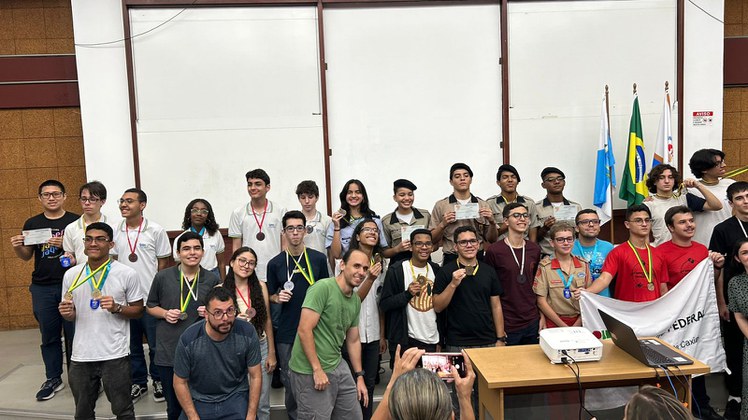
column 589, row 222
column 299, row 228
column 99, row 240
column 219, row 314
column 202, row 212
column 640, row 221
column 127, row 200
column 55, row 194
column 466, row 242
column 92, row 200
column 520, row 215
column 569, row 240
column 369, row 230
column 243, row 262
column 423, row 244
column 554, row 179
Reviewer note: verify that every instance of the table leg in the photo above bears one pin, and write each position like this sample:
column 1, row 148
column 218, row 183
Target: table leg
column 491, row 401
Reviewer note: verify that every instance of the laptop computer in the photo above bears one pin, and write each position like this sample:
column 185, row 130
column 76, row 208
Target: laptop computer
column 650, row 352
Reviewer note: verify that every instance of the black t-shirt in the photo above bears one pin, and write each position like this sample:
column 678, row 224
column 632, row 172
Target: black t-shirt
column 47, row 267
column 724, row 237
column 277, row 274
column 469, row 317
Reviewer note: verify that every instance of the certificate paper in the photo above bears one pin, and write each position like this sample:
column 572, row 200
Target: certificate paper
column 405, row 231
column 565, row 212
column 37, row 236
column 466, row 211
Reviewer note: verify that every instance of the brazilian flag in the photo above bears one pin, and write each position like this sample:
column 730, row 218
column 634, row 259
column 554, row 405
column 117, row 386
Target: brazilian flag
column 633, row 188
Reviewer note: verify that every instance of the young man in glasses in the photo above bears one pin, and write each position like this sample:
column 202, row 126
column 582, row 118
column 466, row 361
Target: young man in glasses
column 142, row 245
column 177, row 300
column 708, row 166
column 588, row 246
column 554, row 207
column 507, row 178
column 217, row 368
column 92, row 198
column 640, row 272
column 290, row 274
column 101, row 296
column 515, row 260
column 45, row 246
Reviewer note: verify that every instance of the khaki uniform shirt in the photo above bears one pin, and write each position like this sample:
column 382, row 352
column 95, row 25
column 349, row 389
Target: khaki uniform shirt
column 497, row 204
column 445, row 205
column 548, row 283
column 546, row 209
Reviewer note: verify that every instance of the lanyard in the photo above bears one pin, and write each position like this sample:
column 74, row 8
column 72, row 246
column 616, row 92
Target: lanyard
column 742, row 227
column 192, row 290
column 413, row 271
column 127, row 231
column 581, row 253
column 511, row 251
column 86, row 268
column 641, row 263
column 102, row 278
column 308, row 275
column 201, row 233
column 475, row 270
column 264, row 213
column 246, row 302
column 567, row 281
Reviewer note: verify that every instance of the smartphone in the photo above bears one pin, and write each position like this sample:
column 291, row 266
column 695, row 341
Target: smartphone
column 443, row 363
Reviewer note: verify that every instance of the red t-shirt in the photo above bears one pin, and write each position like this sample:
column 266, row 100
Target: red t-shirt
column 681, row 260
column 631, row 282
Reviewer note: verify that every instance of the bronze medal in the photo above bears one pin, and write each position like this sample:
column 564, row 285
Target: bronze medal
column 469, row 270
column 342, row 212
column 377, row 258
column 260, row 236
column 183, row 316
column 651, row 287
column 69, row 296
column 251, row 312
column 96, row 294
column 309, row 229
column 421, row 279
column 133, row 257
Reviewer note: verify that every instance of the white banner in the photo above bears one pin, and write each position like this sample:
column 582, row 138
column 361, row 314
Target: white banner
column 686, row 317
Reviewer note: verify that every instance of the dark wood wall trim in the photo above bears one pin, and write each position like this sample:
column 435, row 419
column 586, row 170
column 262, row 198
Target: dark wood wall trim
column 39, row 95
column 41, row 68
column 736, row 61
column 680, row 33
column 38, row 81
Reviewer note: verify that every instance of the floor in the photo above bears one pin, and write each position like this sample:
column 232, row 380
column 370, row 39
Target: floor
column 22, row 372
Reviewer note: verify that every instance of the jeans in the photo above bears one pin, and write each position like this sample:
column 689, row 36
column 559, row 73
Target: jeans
column 283, row 352
column 233, row 408
column 453, row 392
column 84, row 378
column 263, row 410
column 370, row 364
column 147, row 325
column 527, row 335
column 44, row 301
column 173, row 408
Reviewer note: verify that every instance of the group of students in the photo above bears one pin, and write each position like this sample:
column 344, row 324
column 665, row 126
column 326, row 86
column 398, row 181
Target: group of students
column 509, row 269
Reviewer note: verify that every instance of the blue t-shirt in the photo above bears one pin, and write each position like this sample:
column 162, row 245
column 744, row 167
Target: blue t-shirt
column 277, row 274
column 596, row 256
column 217, row 370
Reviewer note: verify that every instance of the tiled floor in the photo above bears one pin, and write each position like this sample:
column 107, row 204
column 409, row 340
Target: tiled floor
column 22, row 372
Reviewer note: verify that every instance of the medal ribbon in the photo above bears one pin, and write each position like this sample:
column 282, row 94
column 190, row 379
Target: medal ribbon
column 308, row 275
column 201, row 233
column 567, row 281
column 742, row 227
column 77, row 283
column 246, row 302
column 413, row 271
column 127, row 230
column 264, row 212
column 641, row 263
column 192, row 290
column 475, row 270
column 102, row 278
column 511, row 249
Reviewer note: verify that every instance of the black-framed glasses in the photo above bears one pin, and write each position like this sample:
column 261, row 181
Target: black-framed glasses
column 570, row 239
column 291, row 229
column 590, row 222
column 92, row 200
column 423, row 244
column 54, row 194
column 219, row 314
column 243, row 262
column 99, row 240
column 553, row 179
column 520, row 215
column 466, row 242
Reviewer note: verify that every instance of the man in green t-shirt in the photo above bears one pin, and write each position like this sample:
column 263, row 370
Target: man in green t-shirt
column 320, row 379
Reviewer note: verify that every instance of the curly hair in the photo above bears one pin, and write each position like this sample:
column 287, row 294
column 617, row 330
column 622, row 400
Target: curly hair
column 210, row 222
column 355, row 244
column 255, row 291
column 654, row 176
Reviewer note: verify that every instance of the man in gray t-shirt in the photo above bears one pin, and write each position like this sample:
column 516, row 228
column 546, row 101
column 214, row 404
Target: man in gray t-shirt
column 212, row 360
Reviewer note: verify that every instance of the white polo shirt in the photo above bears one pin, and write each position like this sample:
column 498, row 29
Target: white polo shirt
column 212, row 245
column 368, row 317
column 243, row 225
column 72, row 240
column 316, row 239
column 152, row 244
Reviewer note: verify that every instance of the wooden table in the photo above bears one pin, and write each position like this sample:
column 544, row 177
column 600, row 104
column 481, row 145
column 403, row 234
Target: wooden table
column 526, row 369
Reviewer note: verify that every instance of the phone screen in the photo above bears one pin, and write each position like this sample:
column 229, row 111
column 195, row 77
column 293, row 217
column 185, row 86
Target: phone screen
column 443, row 363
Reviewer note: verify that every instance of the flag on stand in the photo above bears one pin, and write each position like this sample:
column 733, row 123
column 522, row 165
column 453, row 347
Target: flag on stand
column 633, row 189
column 605, row 172
column 664, row 146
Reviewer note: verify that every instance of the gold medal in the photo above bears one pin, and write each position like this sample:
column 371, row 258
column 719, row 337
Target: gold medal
column 651, row 287
column 183, row 316
column 377, row 258
column 342, row 212
column 69, row 296
column 469, row 270
column 421, row 279
column 96, row 294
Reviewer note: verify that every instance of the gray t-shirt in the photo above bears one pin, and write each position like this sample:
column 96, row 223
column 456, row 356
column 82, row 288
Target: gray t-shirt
column 164, row 293
column 216, row 370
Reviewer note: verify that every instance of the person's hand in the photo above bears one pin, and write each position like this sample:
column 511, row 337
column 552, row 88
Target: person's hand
column 382, row 345
column 172, row 315
column 577, row 293
column 464, row 386
column 201, row 311
column 71, row 256
column 406, row 363
column 549, row 221
column 449, row 217
column 487, row 213
column 336, row 217
column 403, row 246
column 724, row 313
column 414, row 288
column 55, row 241
column 690, row 183
column 500, row 343
column 108, row 303
column 66, row 308
column 16, row 241
column 363, row 393
column 541, row 324
column 375, row 270
column 648, row 199
column 717, row 259
column 458, row 275
column 284, row 296
column 321, row 382
column 270, row 363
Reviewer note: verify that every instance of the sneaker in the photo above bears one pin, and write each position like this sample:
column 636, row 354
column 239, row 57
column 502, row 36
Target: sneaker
column 706, row 413
column 158, row 392
column 48, row 389
column 137, row 391
column 732, row 410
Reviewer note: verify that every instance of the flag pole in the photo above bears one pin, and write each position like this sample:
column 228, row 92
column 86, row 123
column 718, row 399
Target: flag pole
column 612, row 217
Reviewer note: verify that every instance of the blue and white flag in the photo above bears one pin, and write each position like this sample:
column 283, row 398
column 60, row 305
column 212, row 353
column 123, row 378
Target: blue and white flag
column 605, row 178
column 663, row 152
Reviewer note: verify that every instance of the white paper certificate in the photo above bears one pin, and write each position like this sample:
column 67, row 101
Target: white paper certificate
column 466, row 211
column 37, row 236
column 405, row 231
column 565, row 212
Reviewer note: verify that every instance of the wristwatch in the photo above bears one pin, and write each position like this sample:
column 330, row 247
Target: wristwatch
column 502, row 339
column 119, row 309
column 358, row 374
